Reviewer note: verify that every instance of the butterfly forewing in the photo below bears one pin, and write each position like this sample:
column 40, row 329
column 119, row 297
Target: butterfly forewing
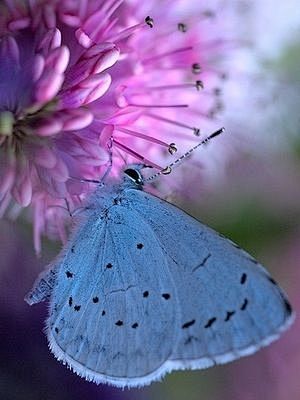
column 111, row 317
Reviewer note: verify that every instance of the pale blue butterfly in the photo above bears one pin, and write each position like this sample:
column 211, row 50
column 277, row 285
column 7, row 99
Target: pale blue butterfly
column 142, row 289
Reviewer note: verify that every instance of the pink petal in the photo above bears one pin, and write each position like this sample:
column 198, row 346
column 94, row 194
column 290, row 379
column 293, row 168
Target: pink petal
column 125, row 116
column 107, row 60
column 98, row 84
column 60, row 172
column 93, row 161
column 19, row 24
column 7, row 180
column 45, row 157
column 83, row 38
column 69, row 19
column 58, row 59
column 48, row 127
column 97, row 49
column 22, row 191
column 38, row 67
column 94, row 150
column 106, row 135
column 51, row 40
column 95, row 63
column 93, row 24
column 10, row 49
column 90, row 89
column 78, row 119
column 49, row 16
column 48, row 86
column 5, row 201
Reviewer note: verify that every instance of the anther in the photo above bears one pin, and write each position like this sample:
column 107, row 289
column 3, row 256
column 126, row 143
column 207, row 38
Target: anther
column 199, row 85
column 172, row 148
column 182, row 27
column 196, row 68
column 149, row 21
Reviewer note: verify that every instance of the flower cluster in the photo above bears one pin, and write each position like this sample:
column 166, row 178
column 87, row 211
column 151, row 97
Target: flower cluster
column 88, row 83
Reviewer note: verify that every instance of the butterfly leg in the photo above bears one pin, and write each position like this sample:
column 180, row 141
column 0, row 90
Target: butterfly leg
column 42, row 287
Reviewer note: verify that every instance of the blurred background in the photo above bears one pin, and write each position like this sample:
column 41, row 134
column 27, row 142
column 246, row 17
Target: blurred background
column 255, row 201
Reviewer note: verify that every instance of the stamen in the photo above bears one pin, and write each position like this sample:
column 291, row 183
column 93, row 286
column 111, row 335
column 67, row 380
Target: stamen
column 209, row 14
column 143, row 136
column 215, row 93
column 172, row 148
column 125, row 33
column 149, row 21
column 158, row 105
column 166, row 54
column 196, row 68
column 182, row 27
column 220, row 74
column 198, row 84
column 196, row 131
column 135, row 154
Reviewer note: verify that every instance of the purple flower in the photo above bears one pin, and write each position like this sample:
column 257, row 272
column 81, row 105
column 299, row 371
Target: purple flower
column 81, row 81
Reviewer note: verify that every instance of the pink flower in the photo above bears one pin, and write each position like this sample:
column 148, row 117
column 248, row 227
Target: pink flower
column 82, row 80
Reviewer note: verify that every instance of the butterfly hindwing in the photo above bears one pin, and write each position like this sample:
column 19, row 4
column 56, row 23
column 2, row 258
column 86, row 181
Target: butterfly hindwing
column 229, row 304
column 111, row 316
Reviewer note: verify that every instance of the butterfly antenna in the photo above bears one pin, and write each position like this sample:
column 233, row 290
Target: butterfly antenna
column 169, row 167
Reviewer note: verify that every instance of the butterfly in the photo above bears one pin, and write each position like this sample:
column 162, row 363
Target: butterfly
column 142, row 288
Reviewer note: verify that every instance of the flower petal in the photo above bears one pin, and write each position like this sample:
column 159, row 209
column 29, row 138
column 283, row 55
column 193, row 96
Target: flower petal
column 48, row 86
column 89, row 90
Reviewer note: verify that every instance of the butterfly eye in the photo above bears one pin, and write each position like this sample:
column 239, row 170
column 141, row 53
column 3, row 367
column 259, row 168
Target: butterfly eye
column 134, row 175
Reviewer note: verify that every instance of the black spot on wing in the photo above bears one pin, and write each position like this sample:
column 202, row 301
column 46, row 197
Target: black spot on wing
column 69, row 274
column 95, row 299
column 191, row 339
column 139, row 246
column 135, row 325
column 77, row 307
column 244, row 305
column 229, row 315
column 243, row 279
column 109, row 265
column 145, row 293
column 103, row 312
column 119, row 323
column 210, row 322
column 70, row 301
column 188, row 324
column 166, row 296
column 56, row 330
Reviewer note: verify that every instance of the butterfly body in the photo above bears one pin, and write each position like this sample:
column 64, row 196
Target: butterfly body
column 142, row 288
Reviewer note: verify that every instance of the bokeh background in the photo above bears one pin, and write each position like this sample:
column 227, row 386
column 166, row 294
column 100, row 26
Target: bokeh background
column 255, row 201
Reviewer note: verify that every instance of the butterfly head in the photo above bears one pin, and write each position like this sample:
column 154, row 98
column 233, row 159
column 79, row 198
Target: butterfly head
column 132, row 173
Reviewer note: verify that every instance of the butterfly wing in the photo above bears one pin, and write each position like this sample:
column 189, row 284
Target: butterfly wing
column 228, row 304
column 143, row 288
column 111, row 315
